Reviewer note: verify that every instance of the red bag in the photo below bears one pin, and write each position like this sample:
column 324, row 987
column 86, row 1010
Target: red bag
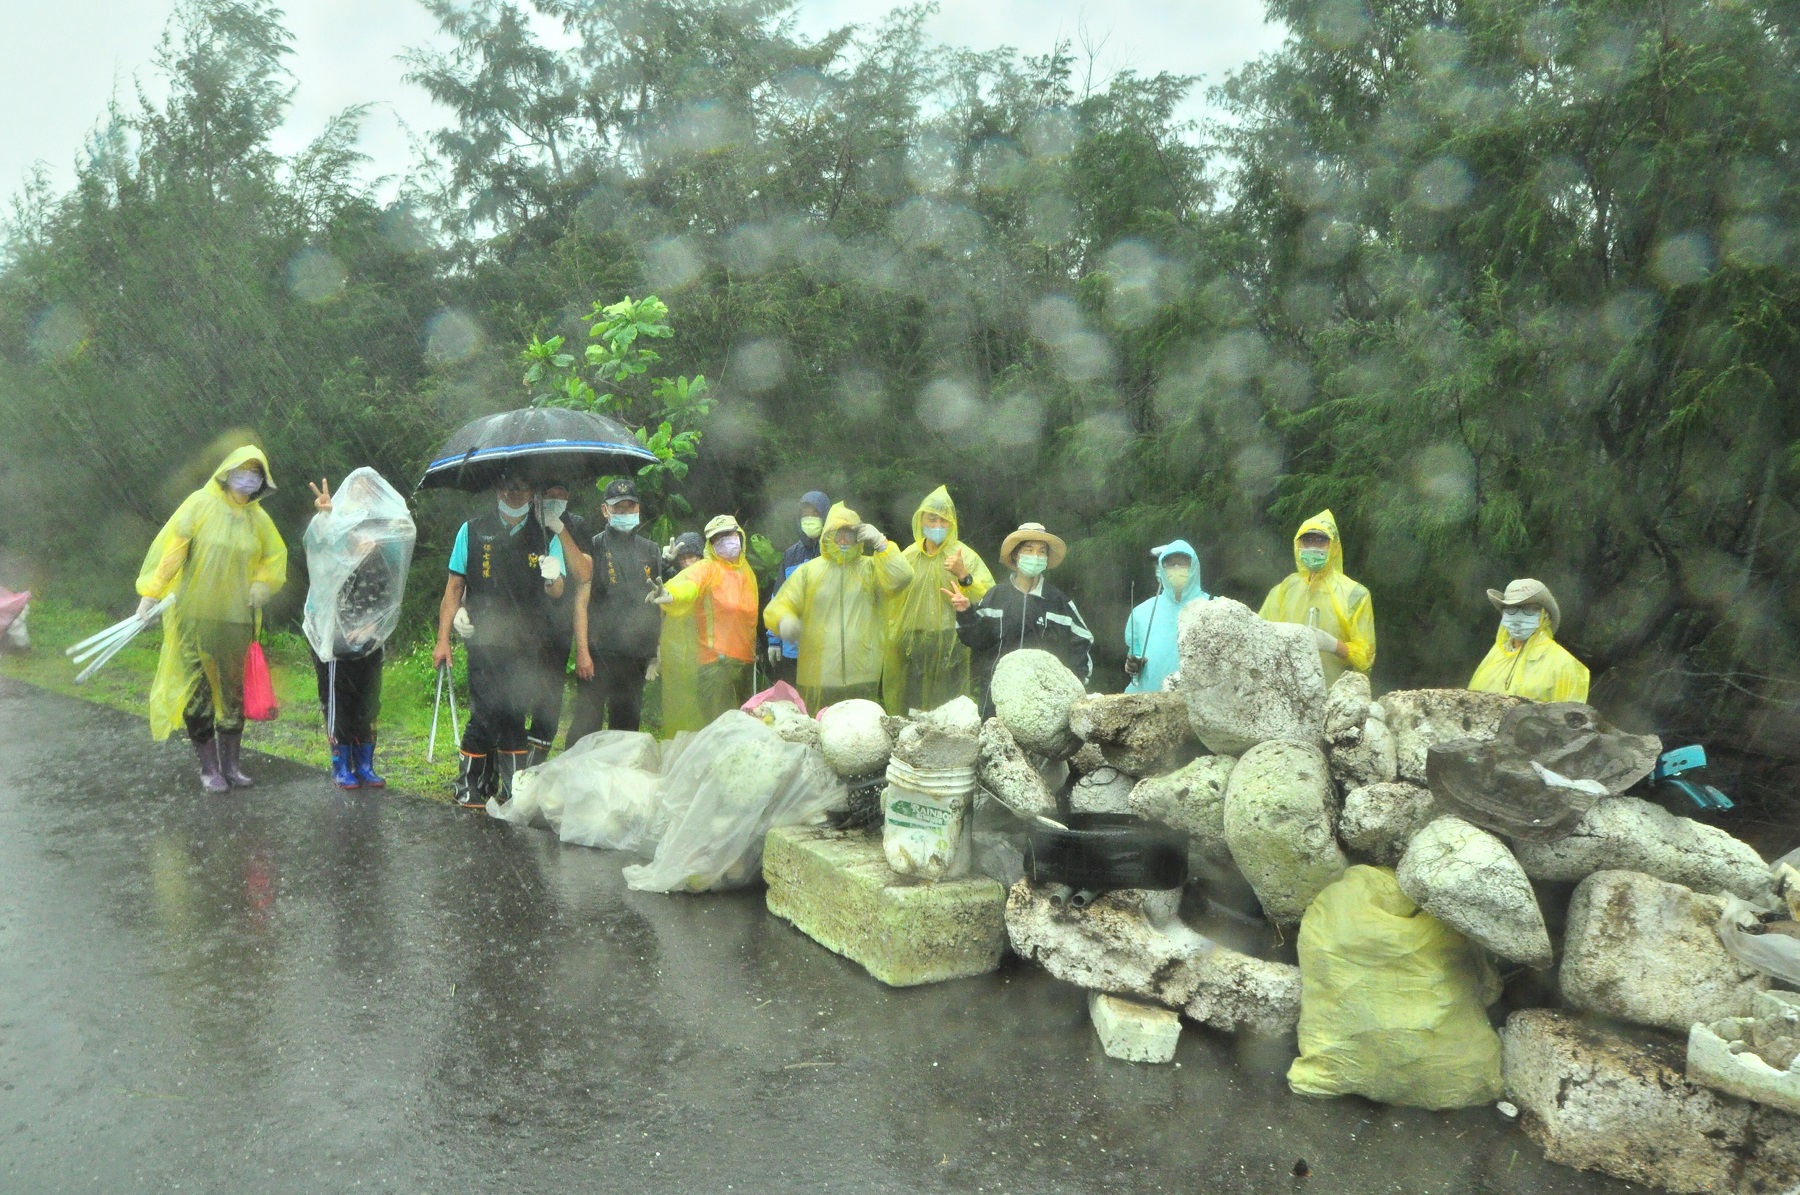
column 259, row 687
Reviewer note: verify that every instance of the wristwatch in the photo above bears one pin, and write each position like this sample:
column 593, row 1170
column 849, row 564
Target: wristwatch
column 966, row 581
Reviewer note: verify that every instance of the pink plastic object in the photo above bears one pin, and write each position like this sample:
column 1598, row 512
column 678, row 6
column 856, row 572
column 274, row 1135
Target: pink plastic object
column 259, row 688
column 10, row 605
column 779, row 691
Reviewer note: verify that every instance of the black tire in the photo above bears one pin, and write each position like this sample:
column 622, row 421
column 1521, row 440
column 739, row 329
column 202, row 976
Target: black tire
column 1107, row 850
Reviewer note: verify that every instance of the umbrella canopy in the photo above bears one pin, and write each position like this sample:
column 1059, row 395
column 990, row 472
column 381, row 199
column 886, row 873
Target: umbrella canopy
column 538, row 443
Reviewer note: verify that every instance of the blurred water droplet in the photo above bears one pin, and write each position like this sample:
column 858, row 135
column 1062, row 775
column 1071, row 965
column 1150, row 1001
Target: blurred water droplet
column 948, row 404
column 758, row 365
column 59, row 332
column 671, row 264
column 452, row 336
column 315, row 276
column 1442, row 184
column 1683, row 260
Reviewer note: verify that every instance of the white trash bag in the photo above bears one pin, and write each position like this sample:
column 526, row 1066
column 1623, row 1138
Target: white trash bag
column 356, row 561
column 734, row 781
column 1775, row 955
column 601, row 792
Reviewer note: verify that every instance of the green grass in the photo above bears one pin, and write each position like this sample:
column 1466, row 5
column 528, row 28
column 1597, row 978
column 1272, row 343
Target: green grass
column 407, row 685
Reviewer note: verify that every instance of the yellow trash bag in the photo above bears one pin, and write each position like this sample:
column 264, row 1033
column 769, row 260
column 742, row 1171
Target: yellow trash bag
column 1392, row 1001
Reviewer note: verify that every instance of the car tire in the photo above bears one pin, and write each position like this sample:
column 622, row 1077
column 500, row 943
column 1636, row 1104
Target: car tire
column 1107, row 850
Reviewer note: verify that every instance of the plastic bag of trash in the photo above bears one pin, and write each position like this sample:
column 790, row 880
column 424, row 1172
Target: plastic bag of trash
column 13, row 609
column 734, row 782
column 599, row 782
column 1392, row 1001
column 1770, row 948
column 357, row 555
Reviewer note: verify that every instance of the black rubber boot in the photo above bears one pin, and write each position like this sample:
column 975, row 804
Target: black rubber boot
column 511, row 763
column 207, row 751
column 474, row 774
column 538, row 753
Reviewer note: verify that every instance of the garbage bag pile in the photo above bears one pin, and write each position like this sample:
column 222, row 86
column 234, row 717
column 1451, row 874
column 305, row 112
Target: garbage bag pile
column 1418, row 845
column 702, row 802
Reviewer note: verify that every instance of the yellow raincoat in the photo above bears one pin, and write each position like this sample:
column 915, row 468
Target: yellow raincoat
column 718, row 599
column 927, row 664
column 678, row 672
column 209, row 553
column 1343, row 609
column 839, row 599
column 1541, row 669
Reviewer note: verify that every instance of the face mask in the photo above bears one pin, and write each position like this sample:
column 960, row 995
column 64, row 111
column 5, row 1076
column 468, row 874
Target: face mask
column 1521, row 624
column 936, row 534
column 626, row 523
column 1033, row 566
column 244, row 482
column 513, row 512
column 1178, row 578
column 1313, row 559
column 554, row 507
column 727, row 547
column 811, row 525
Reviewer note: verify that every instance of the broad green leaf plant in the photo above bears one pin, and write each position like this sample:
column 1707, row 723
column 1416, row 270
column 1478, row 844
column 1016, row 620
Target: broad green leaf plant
column 612, row 377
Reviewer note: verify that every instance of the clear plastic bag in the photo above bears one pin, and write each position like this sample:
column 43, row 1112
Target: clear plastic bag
column 1776, row 955
column 356, row 560
column 601, row 792
column 732, row 783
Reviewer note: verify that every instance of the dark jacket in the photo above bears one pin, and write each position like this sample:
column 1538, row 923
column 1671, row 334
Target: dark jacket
column 504, row 591
column 562, row 609
column 620, row 621
column 1007, row 620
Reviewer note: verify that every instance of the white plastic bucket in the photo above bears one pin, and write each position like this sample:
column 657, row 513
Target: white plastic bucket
column 926, row 825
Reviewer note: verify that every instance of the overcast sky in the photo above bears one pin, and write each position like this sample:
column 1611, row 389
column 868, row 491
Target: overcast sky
column 59, row 64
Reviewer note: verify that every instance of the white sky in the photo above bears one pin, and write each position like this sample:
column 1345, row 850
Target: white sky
column 59, row 64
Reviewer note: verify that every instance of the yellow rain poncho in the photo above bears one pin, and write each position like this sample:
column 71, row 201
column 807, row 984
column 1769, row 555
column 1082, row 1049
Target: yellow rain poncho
column 1329, row 600
column 718, row 599
column 210, row 552
column 678, row 668
column 839, row 599
column 1541, row 669
column 927, row 664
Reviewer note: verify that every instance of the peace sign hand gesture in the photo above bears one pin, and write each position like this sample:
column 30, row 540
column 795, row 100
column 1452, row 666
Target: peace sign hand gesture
column 321, row 495
column 959, row 601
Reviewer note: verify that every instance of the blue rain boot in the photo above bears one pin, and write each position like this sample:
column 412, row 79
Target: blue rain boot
column 343, row 772
column 365, row 765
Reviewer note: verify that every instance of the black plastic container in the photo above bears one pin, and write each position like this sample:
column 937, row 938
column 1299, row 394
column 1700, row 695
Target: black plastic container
column 1106, row 850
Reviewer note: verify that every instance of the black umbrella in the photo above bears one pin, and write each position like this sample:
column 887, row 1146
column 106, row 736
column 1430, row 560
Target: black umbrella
column 537, row 443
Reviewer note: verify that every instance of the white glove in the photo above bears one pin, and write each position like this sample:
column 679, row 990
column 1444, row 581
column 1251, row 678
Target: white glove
column 870, row 534
column 553, row 524
column 658, row 595
column 653, row 671
column 789, row 629
column 550, row 566
column 774, row 655
column 461, row 623
column 259, row 594
column 146, row 611
column 668, row 552
column 1326, row 643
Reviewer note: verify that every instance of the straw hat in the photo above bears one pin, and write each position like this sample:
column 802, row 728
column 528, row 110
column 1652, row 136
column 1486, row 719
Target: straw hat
column 1033, row 531
column 1527, row 592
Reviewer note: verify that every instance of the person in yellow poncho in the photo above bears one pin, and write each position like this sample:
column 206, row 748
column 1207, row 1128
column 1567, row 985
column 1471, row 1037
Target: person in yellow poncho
column 927, row 664
column 222, row 558
column 719, row 594
column 678, row 651
column 833, row 607
column 1318, row 595
column 1526, row 660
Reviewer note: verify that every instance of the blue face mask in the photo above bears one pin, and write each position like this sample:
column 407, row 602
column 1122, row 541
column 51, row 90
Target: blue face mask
column 625, row 523
column 936, row 534
column 513, row 512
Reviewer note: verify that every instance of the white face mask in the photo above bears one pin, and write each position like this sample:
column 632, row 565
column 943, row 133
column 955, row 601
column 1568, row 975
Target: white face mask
column 244, row 482
column 728, row 547
column 1521, row 624
column 554, row 507
column 512, row 512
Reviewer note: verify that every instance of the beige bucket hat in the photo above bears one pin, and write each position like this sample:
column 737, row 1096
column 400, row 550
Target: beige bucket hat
column 1033, row 531
column 1528, row 592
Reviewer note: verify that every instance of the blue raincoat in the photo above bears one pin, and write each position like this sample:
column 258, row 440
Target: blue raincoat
column 1150, row 631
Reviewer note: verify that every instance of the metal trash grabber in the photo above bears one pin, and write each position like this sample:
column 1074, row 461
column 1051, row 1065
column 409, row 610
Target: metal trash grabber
column 112, row 641
column 437, row 703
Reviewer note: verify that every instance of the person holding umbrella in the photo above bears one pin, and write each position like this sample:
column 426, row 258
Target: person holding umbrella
column 504, row 565
column 615, row 631
column 221, row 558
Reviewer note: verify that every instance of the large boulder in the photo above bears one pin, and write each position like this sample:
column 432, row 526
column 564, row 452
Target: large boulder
column 1279, row 814
column 855, row 739
column 1032, row 692
column 1628, row 834
column 1648, row 952
column 1247, row 680
column 1380, row 819
column 1466, row 878
column 1620, row 1105
column 1417, row 718
column 1357, row 739
column 1752, row 1057
column 1139, row 733
column 1129, row 942
column 1105, row 790
column 1191, row 798
column 1002, row 769
column 942, row 739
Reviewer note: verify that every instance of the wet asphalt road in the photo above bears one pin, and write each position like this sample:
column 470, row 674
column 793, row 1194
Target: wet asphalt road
column 301, row 990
